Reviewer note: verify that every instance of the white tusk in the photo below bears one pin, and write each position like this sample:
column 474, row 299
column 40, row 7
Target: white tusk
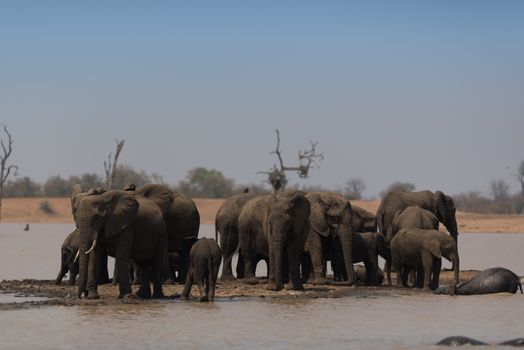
column 76, row 256
column 92, row 247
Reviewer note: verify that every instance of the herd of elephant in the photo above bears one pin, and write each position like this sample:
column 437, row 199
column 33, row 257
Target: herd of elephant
column 153, row 232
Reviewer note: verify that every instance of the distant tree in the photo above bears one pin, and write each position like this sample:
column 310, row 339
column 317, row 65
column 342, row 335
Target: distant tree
column 398, row 186
column 22, row 187
column 56, row 186
column 125, row 174
column 307, row 159
column 5, row 169
column 354, row 188
column 110, row 166
column 520, row 177
column 87, row 180
column 499, row 190
column 206, row 183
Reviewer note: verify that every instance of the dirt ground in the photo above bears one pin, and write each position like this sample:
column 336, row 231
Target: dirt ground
column 27, row 210
column 65, row 295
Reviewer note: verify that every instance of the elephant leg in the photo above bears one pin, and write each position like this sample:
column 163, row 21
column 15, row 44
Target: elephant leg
column 318, row 260
column 144, row 276
column 214, row 276
column 160, row 264
column 306, row 267
column 395, row 262
column 294, row 254
column 240, row 266
column 199, row 280
column 248, row 252
column 437, row 265
column 73, row 272
column 102, row 276
column 122, row 273
column 227, row 271
column 271, row 284
column 189, row 282
column 405, row 274
column 427, row 264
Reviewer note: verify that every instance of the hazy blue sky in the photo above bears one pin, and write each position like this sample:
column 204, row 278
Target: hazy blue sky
column 426, row 92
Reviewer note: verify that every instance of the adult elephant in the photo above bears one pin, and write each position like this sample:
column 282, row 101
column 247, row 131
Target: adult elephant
column 440, row 204
column 413, row 247
column 363, row 220
column 411, row 217
column 275, row 226
column 226, row 226
column 127, row 226
column 330, row 220
column 493, row 280
column 182, row 221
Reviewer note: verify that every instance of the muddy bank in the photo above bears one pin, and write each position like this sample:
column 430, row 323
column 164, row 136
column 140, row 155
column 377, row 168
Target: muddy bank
column 64, row 295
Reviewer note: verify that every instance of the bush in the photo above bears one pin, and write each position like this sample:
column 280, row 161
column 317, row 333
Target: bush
column 46, row 207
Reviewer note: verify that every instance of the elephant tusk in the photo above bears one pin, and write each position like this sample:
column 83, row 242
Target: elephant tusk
column 76, row 256
column 92, row 247
column 325, row 234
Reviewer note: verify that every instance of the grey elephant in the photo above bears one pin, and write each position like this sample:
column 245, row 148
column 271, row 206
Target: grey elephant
column 367, row 246
column 440, row 204
column 412, row 216
column 275, row 226
column 361, row 275
column 363, row 220
column 330, row 220
column 493, row 280
column 126, row 226
column 182, row 221
column 413, row 247
column 69, row 257
column 204, row 262
column 226, row 226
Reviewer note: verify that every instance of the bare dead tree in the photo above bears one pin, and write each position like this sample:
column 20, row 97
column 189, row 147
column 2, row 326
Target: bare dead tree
column 110, row 166
column 307, row 159
column 520, row 177
column 5, row 169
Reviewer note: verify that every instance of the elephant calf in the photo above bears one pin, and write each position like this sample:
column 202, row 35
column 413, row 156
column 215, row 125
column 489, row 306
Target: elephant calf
column 68, row 258
column 414, row 247
column 204, row 261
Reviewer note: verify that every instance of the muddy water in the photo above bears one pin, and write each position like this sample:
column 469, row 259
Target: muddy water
column 414, row 321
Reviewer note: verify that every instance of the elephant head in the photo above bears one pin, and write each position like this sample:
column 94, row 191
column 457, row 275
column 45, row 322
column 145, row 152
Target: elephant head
column 332, row 217
column 444, row 246
column 363, row 220
column 101, row 216
column 445, row 212
column 287, row 226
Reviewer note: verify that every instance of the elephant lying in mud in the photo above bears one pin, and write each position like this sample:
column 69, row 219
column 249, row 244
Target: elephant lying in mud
column 360, row 275
column 493, row 280
column 460, row 340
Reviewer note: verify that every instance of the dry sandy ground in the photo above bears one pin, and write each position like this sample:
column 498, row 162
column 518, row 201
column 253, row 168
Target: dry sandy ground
column 27, row 210
column 67, row 295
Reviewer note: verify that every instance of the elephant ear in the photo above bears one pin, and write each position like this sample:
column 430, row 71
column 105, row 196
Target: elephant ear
column 317, row 217
column 76, row 194
column 122, row 210
column 433, row 246
column 161, row 195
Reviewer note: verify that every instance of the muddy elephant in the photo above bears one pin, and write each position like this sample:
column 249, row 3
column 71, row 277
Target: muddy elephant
column 361, row 275
column 69, row 257
column 226, row 226
column 440, row 204
column 367, row 246
column 126, row 226
column 412, row 216
column 330, row 220
column 363, row 220
column 413, row 247
column 204, row 262
column 493, row 280
column 182, row 221
column 275, row 226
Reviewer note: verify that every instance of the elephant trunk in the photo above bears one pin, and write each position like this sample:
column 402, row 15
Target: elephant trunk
column 345, row 235
column 86, row 243
column 456, row 268
column 277, row 249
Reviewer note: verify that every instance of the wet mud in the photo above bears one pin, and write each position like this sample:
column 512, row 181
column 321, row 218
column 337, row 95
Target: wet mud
column 65, row 295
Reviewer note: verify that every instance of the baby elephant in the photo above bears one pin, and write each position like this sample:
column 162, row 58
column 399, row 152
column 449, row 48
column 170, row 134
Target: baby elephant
column 204, row 261
column 413, row 247
column 68, row 257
